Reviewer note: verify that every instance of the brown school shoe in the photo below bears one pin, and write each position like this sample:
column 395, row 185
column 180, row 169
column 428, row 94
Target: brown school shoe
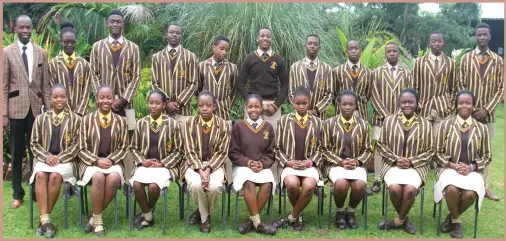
column 265, row 229
column 388, row 225
column 41, row 230
column 351, row 220
column 16, row 203
column 50, row 230
column 140, row 226
column 195, row 218
column 89, row 227
column 408, row 226
column 446, row 225
column 456, row 230
column 376, row 186
column 490, row 195
column 205, row 227
column 283, row 222
column 340, row 220
column 246, row 227
column 99, row 233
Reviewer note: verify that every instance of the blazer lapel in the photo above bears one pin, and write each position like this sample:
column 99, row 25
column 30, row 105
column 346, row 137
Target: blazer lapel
column 400, row 77
column 400, row 132
column 97, row 132
column 223, row 71
column 214, row 133
column 17, row 55
column 456, row 131
column 64, row 131
column 428, row 66
column 178, row 59
column 48, row 125
column 490, row 66
column 303, row 69
column 210, row 69
column 472, row 129
column 475, row 62
column 291, row 124
column 389, row 78
column 36, row 56
column 63, row 67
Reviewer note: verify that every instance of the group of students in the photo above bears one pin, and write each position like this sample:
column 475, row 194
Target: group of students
column 431, row 115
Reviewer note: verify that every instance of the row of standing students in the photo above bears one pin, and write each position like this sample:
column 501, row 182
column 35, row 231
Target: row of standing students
column 115, row 61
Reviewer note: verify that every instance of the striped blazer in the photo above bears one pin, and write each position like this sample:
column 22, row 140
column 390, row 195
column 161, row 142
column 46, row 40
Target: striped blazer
column 170, row 144
column 223, row 88
column 487, row 90
column 333, row 142
column 80, row 87
column 285, row 141
column 448, row 145
column 125, row 77
column 322, row 93
column 180, row 83
column 219, row 142
column 89, row 140
column 69, row 138
column 19, row 95
column 437, row 90
column 419, row 149
column 385, row 92
column 344, row 81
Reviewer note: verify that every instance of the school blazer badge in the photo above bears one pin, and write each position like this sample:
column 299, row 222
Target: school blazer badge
column 360, row 141
column 169, row 145
column 68, row 138
column 321, row 84
column 313, row 141
column 81, row 79
column 266, row 135
column 182, row 74
column 273, row 65
column 445, row 79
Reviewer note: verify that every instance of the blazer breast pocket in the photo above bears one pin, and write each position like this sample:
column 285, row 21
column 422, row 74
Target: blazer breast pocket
column 39, row 65
column 13, row 94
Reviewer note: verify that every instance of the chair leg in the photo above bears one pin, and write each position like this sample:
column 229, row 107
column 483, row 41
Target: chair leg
column 284, row 201
column 86, row 199
column 319, row 207
column 223, row 207
column 127, row 214
column 234, row 227
column 323, row 197
column 181, row 205
column 364, row 211
column 32, row 190
column 228, row 192
column 421, row 210
column 116, row 212
column 131, row 217
column 439, row 217
column 65, row 205
column 187, row 208
column 80, row 205
column 279, row 200
column 271, row 200
column 434, row 211
column 386, row 203
column 476, row 208
column 331, row 196
column 165, row 193
column 383, row 201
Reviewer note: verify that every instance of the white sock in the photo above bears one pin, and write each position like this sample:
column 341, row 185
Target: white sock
column 255, row 219
column 45, row 218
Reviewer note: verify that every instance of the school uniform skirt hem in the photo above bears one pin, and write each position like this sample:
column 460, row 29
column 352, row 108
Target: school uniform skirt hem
column 64, row 169
column 160, row 176
column 308, row 172
column 242, row 174
column 91, row 170
column 472, row 182
column 359, row 173
column 408, row 176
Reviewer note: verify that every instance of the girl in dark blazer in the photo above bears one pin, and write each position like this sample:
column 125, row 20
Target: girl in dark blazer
column 298, row 141
column 157, row 150
column 252, row 153
column 462, row 153
column 206, row 143
column 405, row 145
column 103, row 145
column 54, row 144
column 346, row 147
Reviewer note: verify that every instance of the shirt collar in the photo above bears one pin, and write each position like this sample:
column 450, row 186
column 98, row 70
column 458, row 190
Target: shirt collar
column 66, row 57
column 260, row 52
column 350, row 64
column 478, row 51
column 209, row 123
column 410, row 121
column 390, row 66
column 108, row 116
column 461, row 121
column 307, row 61
column 213, row 62
column 434, row 57
column 259, row 121
column 60, row 116
column 111, row 40
column 351, row 121
column 158, row 121
column 305, row 118
column 169, row 48
column 29, row 45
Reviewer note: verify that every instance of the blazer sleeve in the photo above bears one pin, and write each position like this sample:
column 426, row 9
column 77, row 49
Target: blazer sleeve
column 191, row 154
column 95, row 66
column 328, row 143
column 366, row 146
column 135, row 146
column 498, row 90
column 39, row 153
column 233, row 85
column 83, row 105
column 221, row 152
column 283, row 87
column 427, row 152
column 235, row 153
column 485, row 158
column 84, row 153
column 317, row 155
column 292, row 79
column 328, row 95
column 6, row 83
column 46, row 82
column 243, row 78
column 186, row 95
column 71, row 152
column 173, row 160
column 380, row 108
column 131, row 89
column 281, row 156
column 454, row 85
column 442, row 155
column 121, row 143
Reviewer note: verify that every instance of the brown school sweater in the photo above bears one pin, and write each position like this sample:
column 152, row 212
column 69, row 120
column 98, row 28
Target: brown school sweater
column 248, row 143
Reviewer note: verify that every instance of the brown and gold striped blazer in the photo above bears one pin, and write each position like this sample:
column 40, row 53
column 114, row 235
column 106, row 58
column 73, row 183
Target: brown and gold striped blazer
column 89, row 140
column 219, row 142
column 223, row 88
column 333, row 141
column 344, row 81
column 448, row 145
column 285, row 141
column 69, row 138
column 322, row 92
column 385, row 92
column 437, row 90
column 419, row 149
column 125, row 77
column 170, row 144
column 79, row 90
column 180, row 83
column 487, row 90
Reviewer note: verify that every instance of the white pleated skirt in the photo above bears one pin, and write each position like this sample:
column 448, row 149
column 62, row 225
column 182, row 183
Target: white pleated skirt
column 359, row 173
column 64, row 169
column 242, row 174
column 91, row 170
column 472, row 182
column 308, row 172
column 158, row 175
column 407, row 176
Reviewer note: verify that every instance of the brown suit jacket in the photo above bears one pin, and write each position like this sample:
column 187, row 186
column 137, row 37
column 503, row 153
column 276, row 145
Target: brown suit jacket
column 89, row 139
column 344, row 81
column 19, row 94
column 125, row 77
column 69, row 138
column 170, row 144
column 79, row 91
column 448, row 145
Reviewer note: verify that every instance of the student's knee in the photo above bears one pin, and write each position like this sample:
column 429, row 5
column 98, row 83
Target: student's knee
column 55, row 178
column 340, row 186
column 410, row 191
column 41, row 177
column 308, row 186
column 395, row 190
column 451, row 190
column 153, row 188
column 98, row 179
column 138, row 187
column 468, row 195
column 292, row 183
column 359, row 186
column 215, row 188
column 113, row 180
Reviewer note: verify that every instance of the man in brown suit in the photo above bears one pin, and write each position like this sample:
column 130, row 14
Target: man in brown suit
column 25, row 91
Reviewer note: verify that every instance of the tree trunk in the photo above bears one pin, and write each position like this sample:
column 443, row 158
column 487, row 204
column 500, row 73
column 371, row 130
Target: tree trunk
column 405, row 28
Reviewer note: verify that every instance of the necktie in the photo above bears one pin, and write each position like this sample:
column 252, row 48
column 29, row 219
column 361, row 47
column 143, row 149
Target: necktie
column 265, row 55
column 172, row 52
column 354, row 75
column 206, row 126
column 154, row 124
column 105, row 120
column 436, row 66
column 347, row 125
column 312, row 66
column 354, row 68
column 25, row 59
column 254, row 125
column 392, row 71
column 56, row 120
column 301, row 120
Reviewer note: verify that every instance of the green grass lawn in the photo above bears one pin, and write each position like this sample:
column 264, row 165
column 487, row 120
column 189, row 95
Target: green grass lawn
column 490, row 220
